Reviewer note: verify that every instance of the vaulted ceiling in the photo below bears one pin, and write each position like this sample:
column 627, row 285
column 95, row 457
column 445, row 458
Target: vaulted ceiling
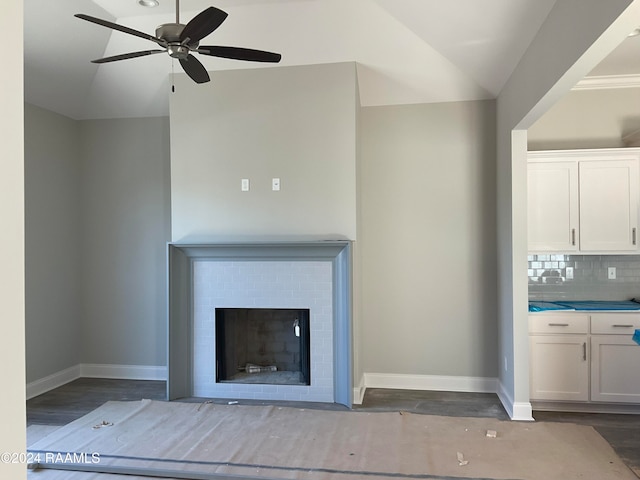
column 407, row 51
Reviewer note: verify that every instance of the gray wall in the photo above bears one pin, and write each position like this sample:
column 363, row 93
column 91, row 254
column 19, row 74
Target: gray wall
column 294, row 123
column 427, row 239
column 97, row 223
column 587, row 119
column 125, row 227
column 52, row 220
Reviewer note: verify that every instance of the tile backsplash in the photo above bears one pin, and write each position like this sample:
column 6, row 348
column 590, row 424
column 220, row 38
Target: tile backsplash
column 583, row 277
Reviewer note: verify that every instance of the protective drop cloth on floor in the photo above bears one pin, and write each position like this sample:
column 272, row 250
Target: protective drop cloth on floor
column 293, row 443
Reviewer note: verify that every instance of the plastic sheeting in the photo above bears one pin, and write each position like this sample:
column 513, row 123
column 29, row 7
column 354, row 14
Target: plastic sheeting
column 585, row 305
column 546, row 306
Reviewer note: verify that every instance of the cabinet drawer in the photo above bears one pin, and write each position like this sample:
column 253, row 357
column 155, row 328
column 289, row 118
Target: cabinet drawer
column 559, row 324
column 615, row 323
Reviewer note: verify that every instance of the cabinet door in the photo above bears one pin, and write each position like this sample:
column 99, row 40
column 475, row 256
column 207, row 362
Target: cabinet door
column 614, row 369
column 609, row 205
column 559, row 369
column 553, row 206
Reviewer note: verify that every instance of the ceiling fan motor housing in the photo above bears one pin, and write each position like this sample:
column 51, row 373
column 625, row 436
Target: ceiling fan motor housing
column 170, row 33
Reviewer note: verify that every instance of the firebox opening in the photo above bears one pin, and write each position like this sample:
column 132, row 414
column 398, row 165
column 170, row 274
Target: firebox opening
column 263, row 346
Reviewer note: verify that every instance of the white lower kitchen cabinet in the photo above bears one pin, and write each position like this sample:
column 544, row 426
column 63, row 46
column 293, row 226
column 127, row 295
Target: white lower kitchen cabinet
column 559, row 367
column 615, row 369
column 584, row 361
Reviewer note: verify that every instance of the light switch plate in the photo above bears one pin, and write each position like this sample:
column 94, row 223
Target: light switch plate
column 611, row 273
column 275, row 184
column 244, row 185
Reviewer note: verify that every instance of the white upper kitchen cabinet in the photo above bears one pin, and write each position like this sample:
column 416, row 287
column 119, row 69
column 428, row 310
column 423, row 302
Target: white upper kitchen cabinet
column 584, row 200
column 609, row 205
column 553, row 206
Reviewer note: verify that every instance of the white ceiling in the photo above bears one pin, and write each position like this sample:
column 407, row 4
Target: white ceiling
column 407, row 51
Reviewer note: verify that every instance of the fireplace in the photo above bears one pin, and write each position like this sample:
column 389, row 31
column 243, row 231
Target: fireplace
column 307, row 281
column 267, row 346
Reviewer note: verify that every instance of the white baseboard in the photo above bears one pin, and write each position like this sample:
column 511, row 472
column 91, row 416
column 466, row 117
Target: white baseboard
column 90, row 370
column 430, row 382
column 124, row 372
column 520, row 411
column 423, row 382
column 358, row 392
column 55, row 380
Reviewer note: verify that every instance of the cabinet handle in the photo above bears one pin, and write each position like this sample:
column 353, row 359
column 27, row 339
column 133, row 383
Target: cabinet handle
column 633, row 235
column 573, row 237
column 584, row 351
column 622, row 326
column 558, row 324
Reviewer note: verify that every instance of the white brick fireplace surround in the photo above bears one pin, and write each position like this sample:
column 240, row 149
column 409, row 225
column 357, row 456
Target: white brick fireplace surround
column 263, row 284
column 301, row 275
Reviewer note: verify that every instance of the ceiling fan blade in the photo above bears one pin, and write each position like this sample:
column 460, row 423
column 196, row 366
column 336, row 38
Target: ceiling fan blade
column 125, row 56
column 203, row 24
column 238, row 53
column 121, row 28
column 194, row 69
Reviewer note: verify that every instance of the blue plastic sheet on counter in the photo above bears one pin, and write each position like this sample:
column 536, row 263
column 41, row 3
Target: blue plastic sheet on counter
column 585, row 305
column 636, row 336
column 599, row 305
column 546, row 306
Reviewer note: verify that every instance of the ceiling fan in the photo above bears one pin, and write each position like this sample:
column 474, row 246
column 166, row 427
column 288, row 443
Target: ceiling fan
column 180, row 40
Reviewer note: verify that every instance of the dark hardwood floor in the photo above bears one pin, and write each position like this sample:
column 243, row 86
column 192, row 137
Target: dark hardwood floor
column 73, row 400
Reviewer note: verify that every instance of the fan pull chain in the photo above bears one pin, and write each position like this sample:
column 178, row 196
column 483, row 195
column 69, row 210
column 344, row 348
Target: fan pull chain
column 173, row 76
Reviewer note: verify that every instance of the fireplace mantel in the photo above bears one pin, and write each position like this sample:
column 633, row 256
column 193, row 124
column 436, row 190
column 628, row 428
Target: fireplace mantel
column 181, row 258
